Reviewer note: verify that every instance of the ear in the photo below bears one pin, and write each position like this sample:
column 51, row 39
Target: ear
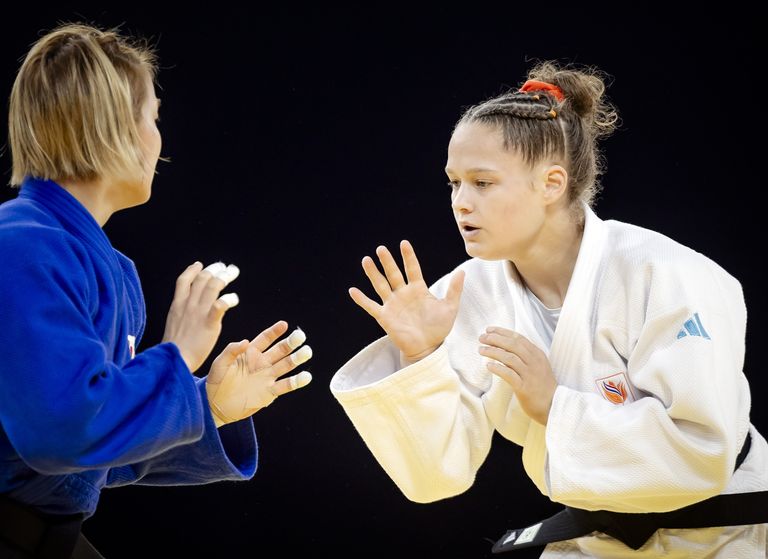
column 555, row 183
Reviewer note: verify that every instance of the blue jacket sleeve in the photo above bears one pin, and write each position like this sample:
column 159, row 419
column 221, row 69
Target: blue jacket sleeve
column 228, row 453
column 65, row 405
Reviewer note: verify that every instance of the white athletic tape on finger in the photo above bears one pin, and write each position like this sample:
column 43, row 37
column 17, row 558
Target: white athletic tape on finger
column 230, row 299
column 229, row 274
column 300, row 380
column 302, row 355
column 215, row 268
column 296, row 338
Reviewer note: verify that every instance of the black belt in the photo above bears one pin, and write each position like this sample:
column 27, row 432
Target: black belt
column 43, row 536
column 634, row 529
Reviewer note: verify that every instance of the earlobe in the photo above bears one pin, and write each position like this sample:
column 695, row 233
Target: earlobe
column 555, row 183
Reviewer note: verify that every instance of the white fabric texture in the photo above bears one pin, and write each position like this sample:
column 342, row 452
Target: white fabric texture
column 543, row 318
column 651, row 409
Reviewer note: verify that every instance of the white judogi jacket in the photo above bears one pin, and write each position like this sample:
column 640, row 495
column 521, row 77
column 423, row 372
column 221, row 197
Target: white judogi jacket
column 651, row 409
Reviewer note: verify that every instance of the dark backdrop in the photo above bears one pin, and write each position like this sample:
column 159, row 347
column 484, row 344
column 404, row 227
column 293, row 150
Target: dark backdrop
column 300, row 140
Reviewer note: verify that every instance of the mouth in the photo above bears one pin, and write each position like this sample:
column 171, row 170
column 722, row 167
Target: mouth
column 468, row 227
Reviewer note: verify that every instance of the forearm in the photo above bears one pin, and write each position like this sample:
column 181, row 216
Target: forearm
column 427, row 430
column 229, row 453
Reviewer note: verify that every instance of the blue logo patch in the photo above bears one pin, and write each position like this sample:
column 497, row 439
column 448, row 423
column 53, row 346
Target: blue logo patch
column 693, row 327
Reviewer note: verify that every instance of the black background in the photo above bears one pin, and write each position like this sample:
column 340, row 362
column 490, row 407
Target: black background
column 302, row 139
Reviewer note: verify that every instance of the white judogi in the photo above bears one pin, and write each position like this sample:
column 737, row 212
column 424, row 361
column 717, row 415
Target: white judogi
column 651, row 409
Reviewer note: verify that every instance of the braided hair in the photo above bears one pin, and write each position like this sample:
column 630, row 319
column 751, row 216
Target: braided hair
column 538, row 125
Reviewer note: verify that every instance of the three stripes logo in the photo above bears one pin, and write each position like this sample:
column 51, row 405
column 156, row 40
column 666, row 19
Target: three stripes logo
column 615, row 388
column 693, row 327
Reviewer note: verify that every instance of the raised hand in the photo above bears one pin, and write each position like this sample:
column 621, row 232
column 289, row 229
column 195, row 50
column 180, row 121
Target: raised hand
column 245, row 377
column 516, row 360
column 416, row 321
column 194, row 319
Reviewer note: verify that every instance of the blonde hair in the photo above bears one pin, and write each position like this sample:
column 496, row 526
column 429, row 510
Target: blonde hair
column 537, row 124
column 75, row 106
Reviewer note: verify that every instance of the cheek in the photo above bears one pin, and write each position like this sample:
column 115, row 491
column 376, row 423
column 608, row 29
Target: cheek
column 151, row 140
column 158, row 142
column 515, row 214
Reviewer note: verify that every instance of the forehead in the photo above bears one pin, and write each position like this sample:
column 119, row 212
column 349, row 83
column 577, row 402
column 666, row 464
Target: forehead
column 475, row 144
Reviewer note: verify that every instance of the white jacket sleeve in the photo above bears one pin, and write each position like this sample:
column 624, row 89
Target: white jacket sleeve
column 426, row 427
column 677, row 443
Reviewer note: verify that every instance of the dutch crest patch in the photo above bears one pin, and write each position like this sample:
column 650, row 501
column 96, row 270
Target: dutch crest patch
column 615, row 388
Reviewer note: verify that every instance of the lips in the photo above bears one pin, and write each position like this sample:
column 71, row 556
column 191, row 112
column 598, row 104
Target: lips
column 469, row 231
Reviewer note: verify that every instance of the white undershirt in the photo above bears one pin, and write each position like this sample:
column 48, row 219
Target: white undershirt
column 544, row 319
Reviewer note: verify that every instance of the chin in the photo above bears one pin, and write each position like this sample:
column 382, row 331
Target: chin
column 476, row 251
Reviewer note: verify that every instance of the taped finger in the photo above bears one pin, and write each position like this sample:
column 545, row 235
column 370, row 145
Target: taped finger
column 301, row 356
column 290, row 362
column 285, row 385
column 296, row 338
column 230, row 299
column 300, row 380
column 286, row 346
column 215, row 268
column 228, row 274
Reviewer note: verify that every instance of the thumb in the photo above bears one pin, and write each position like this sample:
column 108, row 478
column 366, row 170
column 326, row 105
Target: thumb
column 455, row 288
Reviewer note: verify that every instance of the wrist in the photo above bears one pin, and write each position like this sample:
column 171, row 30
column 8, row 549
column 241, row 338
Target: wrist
column 184, row 357
column 219, row 418
column 416, row 357
column 544, row 414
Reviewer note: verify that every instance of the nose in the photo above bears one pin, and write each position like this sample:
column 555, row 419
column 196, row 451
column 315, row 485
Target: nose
column 461, row 199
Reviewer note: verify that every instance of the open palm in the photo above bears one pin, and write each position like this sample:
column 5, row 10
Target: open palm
column 416, row 321
column 245, row 377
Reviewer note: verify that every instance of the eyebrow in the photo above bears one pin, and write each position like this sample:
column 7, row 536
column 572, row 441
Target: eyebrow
column 475, row 170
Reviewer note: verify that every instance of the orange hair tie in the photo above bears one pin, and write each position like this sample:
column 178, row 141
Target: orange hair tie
column 535, row 85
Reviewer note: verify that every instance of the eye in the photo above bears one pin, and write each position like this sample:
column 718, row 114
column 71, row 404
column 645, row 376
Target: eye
column 483, row 184
column 454, row 184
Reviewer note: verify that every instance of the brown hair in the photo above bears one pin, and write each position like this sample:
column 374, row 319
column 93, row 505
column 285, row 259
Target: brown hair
column 75, row 105
column 538, row 126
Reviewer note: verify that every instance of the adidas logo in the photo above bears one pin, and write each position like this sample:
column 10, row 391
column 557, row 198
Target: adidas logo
column 693, row 327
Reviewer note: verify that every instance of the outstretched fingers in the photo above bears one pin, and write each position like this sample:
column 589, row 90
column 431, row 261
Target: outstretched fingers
column 286, row 346
column 377, row 279
column 368, row 305
column 289, row 384
column 410, row 262
column 391, row 269
column 290, row 362
column 267, row 337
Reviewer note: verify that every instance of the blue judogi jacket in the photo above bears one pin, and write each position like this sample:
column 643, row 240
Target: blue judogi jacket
column 78, row 410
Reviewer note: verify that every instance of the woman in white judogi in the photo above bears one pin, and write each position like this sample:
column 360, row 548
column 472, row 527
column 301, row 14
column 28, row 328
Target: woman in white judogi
column 611, row 353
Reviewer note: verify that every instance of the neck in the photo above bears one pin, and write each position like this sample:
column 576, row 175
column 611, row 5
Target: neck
column 93, row 195
column 547, row 267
